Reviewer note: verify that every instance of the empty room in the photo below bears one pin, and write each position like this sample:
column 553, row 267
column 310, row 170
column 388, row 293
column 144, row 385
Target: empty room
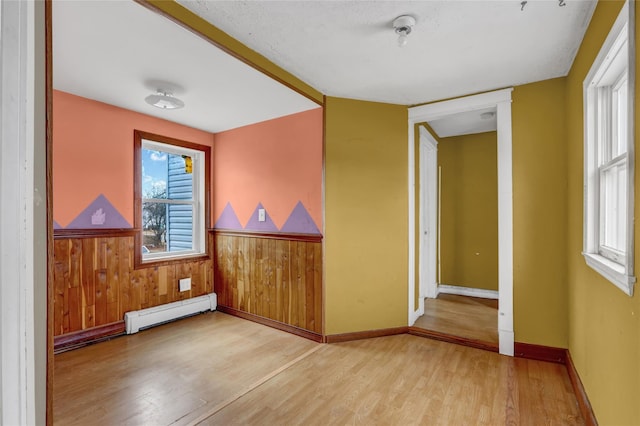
column 312, row 212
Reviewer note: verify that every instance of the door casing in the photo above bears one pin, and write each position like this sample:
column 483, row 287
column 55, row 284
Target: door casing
column 501, row 100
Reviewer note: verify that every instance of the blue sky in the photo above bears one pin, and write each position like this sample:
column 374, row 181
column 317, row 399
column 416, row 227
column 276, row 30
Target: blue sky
column 154, row 170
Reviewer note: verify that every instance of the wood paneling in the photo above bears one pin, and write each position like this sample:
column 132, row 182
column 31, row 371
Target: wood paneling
column 275, row 278
column 88, row 233
column 95, row 282
column 310, row 238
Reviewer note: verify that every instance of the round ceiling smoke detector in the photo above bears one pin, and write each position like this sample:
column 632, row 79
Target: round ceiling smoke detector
column 164, row 100
column 402, row 26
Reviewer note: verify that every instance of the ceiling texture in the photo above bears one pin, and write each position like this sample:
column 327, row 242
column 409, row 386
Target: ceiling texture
column 119, row 52
column 349, row 48
column 113, row 51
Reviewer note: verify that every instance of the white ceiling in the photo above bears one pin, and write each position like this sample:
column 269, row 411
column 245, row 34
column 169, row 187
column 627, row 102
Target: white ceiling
column 348, row 48
column 465, row 123
column 110, row 50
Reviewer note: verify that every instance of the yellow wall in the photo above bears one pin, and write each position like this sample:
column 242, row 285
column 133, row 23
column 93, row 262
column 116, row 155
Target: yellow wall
column 604, row 325
column 558, row 300
column 469, row 210
column 366, row 208
column 539, row 214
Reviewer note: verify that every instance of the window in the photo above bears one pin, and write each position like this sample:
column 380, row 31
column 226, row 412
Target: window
column 609, row 155
column 171, row 182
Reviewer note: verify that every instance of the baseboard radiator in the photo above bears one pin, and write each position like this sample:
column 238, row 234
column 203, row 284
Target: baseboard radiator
column 145, row 318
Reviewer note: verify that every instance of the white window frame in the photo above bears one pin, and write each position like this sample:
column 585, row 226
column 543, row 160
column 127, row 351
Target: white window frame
column 198, row 202
column 615, row 266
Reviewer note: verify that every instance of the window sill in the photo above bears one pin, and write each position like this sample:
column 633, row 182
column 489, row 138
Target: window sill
column 162, row 261
column 612, row 271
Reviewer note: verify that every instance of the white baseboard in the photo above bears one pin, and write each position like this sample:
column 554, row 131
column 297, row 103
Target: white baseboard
column 136, row 320
column 413, row 317
column 506, row 339
column 467, row 291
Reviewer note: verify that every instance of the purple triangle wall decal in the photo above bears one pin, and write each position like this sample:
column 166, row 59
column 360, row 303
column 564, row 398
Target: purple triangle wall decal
column 228, row 219
column 255, row 225
column 299, row 221
column 99, row 214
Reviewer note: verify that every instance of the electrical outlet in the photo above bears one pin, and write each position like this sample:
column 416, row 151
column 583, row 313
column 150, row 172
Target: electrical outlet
column 185, row 284
column 262, row 216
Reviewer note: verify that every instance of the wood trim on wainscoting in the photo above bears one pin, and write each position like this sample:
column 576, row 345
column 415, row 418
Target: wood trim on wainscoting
column 368, row 334
column 309, row 238
column 416, row 331
column 78, row 338
column 584, row 405
column 540, row 353
column 60, row 234
column 272, row 323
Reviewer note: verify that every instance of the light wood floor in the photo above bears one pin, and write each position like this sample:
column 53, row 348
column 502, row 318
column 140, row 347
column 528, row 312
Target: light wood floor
column 462, row 316
column 214, row 369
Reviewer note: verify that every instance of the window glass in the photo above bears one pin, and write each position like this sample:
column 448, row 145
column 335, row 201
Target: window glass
column 172, row 197
column 608, row 152
column 613, row 202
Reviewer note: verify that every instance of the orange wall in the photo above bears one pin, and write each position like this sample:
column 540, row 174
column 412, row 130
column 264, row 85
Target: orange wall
column 277, row 163
column 93, row 153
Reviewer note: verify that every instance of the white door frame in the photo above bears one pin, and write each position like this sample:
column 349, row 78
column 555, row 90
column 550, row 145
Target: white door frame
column 23, row 218
column 501, row 100
column 429, row 215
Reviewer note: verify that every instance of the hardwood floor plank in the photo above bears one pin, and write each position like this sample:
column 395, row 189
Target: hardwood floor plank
column 162, row 374
column 215, row 369
column 405, row 380
column 469, row 317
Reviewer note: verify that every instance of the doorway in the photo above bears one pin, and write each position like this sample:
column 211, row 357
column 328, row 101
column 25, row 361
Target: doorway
column 419, row 288
column 462, row 299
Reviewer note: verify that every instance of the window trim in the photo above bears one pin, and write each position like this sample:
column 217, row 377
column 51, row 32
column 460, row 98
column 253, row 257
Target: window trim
column 620, row 273
column 138, row 137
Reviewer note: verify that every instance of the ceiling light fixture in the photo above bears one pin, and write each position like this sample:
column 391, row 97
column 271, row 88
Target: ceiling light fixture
column 403, row 25
column 164, row 100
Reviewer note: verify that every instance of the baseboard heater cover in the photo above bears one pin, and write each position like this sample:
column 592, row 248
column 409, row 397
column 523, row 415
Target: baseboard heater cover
column 144, row 318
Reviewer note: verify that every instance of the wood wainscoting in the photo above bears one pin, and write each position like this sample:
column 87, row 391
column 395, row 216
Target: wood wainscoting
column 273, row 276
column 95, row 282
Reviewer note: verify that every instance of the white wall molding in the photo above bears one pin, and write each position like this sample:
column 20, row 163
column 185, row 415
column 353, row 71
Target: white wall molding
column 468, row 291
column 437, row 110
column 501, row 99
column 429, row 216
column 23, row 253
column 414, row 313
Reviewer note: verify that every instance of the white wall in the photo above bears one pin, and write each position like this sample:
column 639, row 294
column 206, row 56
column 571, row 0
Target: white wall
column 23, row 223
